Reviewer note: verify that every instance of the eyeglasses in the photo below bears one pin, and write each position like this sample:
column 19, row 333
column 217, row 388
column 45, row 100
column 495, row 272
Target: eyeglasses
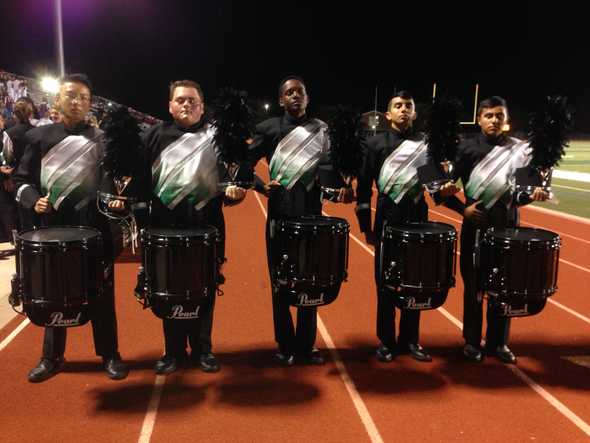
column 81, row 97
column 190, row 100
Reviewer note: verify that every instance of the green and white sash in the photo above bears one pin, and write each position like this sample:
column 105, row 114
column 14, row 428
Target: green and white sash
column 7, row 154
column 71, row 170
column 187, row 168
column 492, row 177
column 399, row 174
column 298, row 154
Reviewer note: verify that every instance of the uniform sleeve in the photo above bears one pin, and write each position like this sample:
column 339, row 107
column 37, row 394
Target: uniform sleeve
column 364, row 189
column 27, row 175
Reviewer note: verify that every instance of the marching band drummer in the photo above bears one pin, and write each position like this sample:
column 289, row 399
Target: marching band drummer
column 203, row 206
column 66, row 202
column 394, row 206
column 470, row 165
column 293, row 195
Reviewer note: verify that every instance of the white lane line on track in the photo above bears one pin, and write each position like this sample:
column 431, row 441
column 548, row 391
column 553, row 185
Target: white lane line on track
column 563, row 409
column 569, row 310
column 152, row 410
column 573, row 265
column 522, row 223
column 357, row 400
column 14, row 333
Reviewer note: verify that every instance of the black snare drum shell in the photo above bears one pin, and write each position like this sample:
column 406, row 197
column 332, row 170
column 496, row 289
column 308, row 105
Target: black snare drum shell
column 310, row 258
column 418, row 258
column 61, row 274
column 180, row 268
column 519, row 263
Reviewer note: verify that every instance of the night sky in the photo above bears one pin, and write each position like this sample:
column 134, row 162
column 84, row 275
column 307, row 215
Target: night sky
column 131, row 49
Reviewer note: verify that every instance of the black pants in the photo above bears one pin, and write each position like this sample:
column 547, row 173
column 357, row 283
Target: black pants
column 8, row 214
column 197, row 331
column 498, row 328
column 289, row 338
column 104, row 326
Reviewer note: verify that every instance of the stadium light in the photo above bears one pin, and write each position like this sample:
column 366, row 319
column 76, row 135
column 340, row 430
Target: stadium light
column 50, row 85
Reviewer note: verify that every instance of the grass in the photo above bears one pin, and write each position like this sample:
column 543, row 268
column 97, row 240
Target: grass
column 572, row 197
column 577, row 157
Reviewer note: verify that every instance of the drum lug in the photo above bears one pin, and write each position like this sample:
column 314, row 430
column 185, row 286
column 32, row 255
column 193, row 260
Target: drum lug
column 15, row 298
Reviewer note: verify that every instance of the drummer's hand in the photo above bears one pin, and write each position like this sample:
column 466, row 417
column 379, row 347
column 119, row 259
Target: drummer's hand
column 345, row 195
column 448, row 189
column 539, row 195
column 116, row 205
column 473, row 213
column 6, row 170
column 42, row 206
column 271, row 185
column 233, row 192
column 370, row 237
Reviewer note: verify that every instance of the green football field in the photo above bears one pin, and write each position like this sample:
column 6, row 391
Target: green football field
column 577, row 157
column 572, row 197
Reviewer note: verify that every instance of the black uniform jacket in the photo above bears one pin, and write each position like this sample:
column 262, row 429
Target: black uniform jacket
column 376, row 149
column 298, row 200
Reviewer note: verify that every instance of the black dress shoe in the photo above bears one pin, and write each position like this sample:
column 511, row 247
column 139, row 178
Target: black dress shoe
column 46, row 369
column 166, row 365
column 284, row 359
column 208, row 362
column 115, row 368
column 503, row 353
column 384, row 354
column 472, row 353
column 417, row 352
column 314, row 357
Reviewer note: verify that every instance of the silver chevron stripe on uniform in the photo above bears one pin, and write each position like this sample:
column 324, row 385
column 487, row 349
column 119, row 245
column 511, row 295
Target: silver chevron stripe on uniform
column 399, row 172
column 188, row 166
column 492, row 176
column 67, row 165
column 299, row 152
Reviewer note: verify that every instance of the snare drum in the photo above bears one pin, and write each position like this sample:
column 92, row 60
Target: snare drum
column 59, row 274
column 179, row 270
column 310, row 258
column 418, row 263
column 518, row 269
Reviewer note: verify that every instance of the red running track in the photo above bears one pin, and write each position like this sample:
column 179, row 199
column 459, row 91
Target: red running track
column 352, row 398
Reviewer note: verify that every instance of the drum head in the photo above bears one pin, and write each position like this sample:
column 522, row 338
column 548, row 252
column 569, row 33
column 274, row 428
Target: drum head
column 523, row 234
column 204, row 231
column 428, row 228
column 315, row 220
column 58, row 234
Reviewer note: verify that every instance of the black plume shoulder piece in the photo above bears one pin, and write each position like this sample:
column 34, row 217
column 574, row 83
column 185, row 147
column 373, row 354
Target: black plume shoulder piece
column 344, row 133
column 548, row 132
column 233, row 120
column 122, row 142
column 443, row 129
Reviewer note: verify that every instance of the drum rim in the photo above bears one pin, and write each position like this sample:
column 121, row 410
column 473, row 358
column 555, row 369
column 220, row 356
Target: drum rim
column 397, row 227
column 212, row 231
column 493, row 230
column 98, row 235
column 293, row 221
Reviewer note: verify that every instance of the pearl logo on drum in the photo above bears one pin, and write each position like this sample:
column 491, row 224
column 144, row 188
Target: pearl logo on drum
column 413, row 305
column 305, row 300
column 56, row 319
column 178, row 312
